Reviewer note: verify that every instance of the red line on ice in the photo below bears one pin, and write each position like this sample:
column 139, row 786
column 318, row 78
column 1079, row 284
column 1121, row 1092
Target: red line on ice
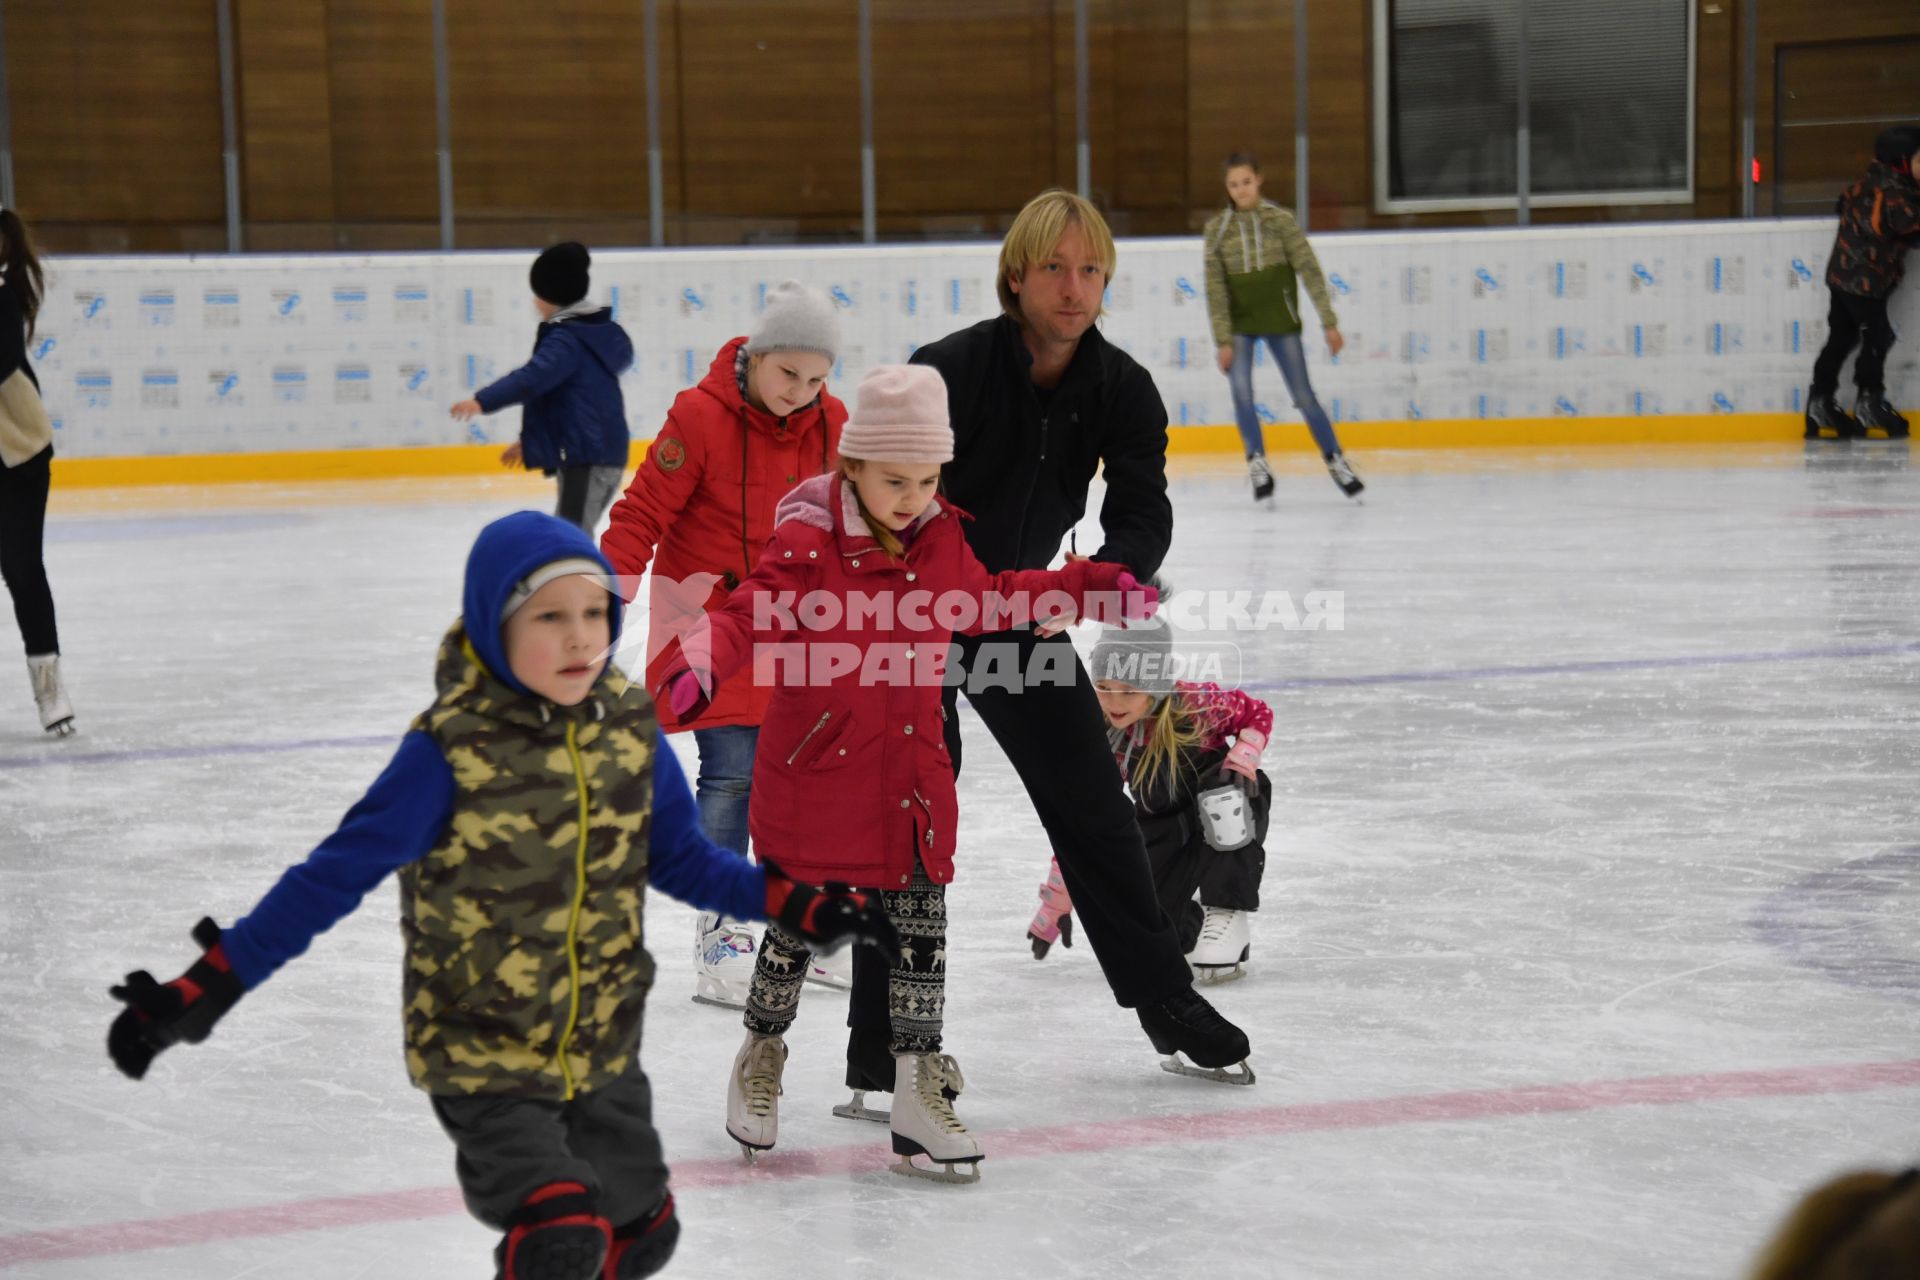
column 1106, row 1135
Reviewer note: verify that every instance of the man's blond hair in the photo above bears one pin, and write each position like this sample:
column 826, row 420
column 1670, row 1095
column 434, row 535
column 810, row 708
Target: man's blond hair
column 1036, row 233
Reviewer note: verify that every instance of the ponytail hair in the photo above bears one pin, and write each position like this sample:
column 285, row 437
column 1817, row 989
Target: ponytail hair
column 1172, row 730
column 20, row 266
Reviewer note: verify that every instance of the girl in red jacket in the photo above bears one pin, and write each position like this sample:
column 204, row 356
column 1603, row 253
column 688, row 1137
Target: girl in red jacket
column 848, row 618
column 1190, row 753
column 760, row 422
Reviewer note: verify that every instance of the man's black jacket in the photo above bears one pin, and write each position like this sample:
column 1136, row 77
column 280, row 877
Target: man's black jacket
column 1023, row 458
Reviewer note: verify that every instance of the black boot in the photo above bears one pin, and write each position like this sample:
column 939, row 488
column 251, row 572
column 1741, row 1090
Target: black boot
column 1872, row 412
column 1187, row 1024
column 1824, row 414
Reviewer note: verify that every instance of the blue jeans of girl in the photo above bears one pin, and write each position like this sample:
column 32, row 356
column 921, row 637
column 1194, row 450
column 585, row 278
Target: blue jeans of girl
column 1291, row 356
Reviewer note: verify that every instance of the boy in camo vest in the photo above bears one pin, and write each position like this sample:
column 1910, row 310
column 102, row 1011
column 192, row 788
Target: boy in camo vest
column 526, row 812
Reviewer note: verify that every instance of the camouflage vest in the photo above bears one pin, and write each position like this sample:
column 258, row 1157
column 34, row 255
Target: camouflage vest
column 526, row 970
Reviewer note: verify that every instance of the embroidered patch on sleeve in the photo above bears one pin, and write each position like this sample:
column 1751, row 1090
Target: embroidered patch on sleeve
column 669, row 453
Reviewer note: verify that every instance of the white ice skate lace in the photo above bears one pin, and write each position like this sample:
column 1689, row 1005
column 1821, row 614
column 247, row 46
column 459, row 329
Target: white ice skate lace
column 46, row 685
column 1214, row 927
column 760, row 1075
column 932, row 1073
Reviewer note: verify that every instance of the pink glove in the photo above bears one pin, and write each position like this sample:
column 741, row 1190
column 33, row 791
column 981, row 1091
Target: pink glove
column 1137, row 603
column 684, row 694
column 1244, row 759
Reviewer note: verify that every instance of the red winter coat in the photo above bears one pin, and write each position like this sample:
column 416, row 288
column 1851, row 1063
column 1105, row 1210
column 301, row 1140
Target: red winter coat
column 705, row 497
column 851, row 778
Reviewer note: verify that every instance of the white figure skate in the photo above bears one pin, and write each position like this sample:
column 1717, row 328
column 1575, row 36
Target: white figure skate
column 924, row 1124
column 50, row 695
column 834, row 971
column 1223, row 947
column 753, row 1094
column 723, row 955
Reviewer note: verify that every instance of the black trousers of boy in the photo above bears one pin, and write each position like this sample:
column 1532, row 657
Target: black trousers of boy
column 23, row 523
column 1184, row 863
column 1853, row 319
column 511, row 1147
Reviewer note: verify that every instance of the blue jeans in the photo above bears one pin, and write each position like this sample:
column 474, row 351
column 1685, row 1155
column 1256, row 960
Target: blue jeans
column 724, row 780
column 1292, row 359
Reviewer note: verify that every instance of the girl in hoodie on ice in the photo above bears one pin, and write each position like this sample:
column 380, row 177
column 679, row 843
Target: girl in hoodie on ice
column 847, row 618
column 699, row 510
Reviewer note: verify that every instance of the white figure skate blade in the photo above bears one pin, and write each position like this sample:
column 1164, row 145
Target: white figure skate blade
column 956, row 1172
column 1218, row 974
column 857, row 1109
column 1177, row 1064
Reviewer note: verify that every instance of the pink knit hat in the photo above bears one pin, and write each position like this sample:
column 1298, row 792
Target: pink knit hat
column 900, row 416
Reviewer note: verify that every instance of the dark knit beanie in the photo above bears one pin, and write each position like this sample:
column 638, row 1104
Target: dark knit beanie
column 559, row 274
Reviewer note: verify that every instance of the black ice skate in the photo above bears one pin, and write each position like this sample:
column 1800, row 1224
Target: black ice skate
column 1342, row 472
column 1826, row 420
column 1196, row 1040
column 1262, row 476
column 1873, row 414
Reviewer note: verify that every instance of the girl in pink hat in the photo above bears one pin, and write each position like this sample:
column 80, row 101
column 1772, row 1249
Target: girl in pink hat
column 848, row 616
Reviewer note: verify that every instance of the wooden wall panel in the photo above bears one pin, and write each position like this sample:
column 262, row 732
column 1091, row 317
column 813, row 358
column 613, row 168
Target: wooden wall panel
column 286, row 110
column 549, row 117
column 381, row 72
column 769, row 109
column 962, row 131
column 974, row 103
column 116, row 123
column 1240, row 97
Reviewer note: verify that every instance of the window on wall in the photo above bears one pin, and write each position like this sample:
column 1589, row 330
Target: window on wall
column 1609, row 94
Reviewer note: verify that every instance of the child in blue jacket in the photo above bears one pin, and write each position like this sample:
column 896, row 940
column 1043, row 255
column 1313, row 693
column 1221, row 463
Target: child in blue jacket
column 573, row 423
column 526, row 812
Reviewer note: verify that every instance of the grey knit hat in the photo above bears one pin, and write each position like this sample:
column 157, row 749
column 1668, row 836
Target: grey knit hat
column 797, row 318
column 1139, row 656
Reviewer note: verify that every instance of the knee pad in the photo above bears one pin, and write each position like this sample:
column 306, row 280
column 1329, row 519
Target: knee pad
column 645, row 1245
column 558, row 1234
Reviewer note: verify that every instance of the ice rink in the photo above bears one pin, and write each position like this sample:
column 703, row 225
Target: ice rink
column 1591, row 932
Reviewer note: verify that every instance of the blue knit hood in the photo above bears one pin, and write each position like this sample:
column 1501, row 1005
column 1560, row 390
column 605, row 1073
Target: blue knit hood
column 504, row 554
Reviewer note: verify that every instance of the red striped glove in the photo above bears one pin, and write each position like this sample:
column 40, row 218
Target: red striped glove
column 830, row 916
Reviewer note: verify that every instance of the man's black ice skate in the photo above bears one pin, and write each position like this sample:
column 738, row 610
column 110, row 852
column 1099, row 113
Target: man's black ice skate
column 1196, row 1040
column 1262, row 476
column 1342, row 472
column 1827, row 420
column 1873, row 413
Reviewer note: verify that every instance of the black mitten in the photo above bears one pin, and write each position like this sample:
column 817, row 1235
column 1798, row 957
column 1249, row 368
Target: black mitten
column 162, row 1014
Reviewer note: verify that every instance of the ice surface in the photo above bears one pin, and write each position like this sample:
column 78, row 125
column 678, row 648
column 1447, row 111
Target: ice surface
column 1589, row 940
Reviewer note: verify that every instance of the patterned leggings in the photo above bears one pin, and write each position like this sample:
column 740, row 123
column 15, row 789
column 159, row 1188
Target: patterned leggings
column 916, row 987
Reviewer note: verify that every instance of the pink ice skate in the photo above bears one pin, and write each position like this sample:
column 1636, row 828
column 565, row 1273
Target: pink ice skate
column 1053, row 922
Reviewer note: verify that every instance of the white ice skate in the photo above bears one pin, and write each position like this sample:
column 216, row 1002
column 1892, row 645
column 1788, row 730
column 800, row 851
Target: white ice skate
column 834, row 971
column 923, row 1121
column 56, row 713
column 1223, row 947
column 723, row 955
column 1262, row 477
column 753, row 1094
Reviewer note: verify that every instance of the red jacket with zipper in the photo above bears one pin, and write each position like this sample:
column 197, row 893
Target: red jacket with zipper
column 852, row 778
column 705, row 498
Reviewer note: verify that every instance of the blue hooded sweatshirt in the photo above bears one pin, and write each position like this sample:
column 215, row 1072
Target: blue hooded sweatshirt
column 403, row 815
column 573, row 414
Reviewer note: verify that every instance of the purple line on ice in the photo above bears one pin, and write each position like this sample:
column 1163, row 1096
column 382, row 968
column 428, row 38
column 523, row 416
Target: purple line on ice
column 206, row 751
column 1594, row 668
